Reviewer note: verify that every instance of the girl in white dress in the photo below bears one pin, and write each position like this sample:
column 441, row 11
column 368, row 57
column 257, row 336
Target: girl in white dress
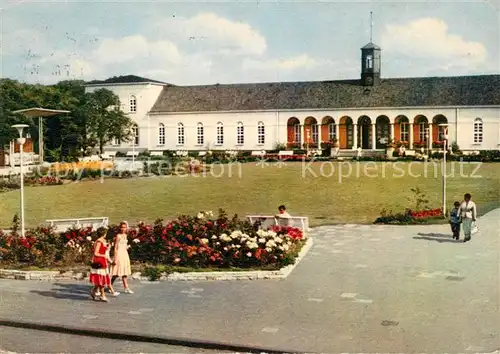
column 121, row 266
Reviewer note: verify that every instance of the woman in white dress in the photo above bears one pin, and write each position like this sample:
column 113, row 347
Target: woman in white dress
column 121, row 263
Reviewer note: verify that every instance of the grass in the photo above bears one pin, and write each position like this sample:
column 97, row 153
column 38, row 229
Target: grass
column 319, row 192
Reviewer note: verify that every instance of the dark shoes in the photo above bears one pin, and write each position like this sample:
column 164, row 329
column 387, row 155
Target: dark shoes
column 467, row 239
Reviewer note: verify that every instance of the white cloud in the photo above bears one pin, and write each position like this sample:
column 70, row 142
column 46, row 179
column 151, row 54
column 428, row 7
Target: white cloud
column 429, row 39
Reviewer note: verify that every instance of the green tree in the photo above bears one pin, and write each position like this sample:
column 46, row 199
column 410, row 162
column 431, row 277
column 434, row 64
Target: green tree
column 104, row 121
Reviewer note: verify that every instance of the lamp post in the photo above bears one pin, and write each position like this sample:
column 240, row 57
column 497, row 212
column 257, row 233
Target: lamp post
column 21, row 141
column 445, row 145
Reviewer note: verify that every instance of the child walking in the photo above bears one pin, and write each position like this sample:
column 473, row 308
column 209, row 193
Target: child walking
column 455, row 220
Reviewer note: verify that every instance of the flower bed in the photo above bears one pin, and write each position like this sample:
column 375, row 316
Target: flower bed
column 422, row 214
column 189, row 241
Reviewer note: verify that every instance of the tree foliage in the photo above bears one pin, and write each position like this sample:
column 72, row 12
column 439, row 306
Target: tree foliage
column 95, row 118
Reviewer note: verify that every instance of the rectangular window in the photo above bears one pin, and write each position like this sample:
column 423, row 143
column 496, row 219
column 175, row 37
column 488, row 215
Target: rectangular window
column 180, row 134
column 261, row 136
column 200, row 140
column 478, row 133
column 161, row 135
column 405, row 133
column 331, row 132
column 314, row 133
column 297, row 133
column 133, row 104
column 421, row 132
column 116, row 142
column 240, row 136
column 220, row 135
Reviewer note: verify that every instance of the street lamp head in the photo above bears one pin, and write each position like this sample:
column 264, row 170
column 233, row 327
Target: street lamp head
column 20, row 128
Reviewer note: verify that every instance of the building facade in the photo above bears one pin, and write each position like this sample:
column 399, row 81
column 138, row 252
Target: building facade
column 367, row 113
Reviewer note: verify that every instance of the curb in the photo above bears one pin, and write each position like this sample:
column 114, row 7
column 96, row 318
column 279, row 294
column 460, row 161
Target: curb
column 101, row 333
column 243, row 275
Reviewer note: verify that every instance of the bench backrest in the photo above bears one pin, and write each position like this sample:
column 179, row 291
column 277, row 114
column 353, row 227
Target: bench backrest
column 61, row 225
column 301, row 222
column 285, row 153
column 258, row 153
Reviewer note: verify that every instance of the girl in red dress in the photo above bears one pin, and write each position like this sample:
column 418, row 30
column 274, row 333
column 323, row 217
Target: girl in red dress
column 99, row 275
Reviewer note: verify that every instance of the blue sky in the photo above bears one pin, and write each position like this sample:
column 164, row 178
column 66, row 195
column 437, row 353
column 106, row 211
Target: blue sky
column 196, row 43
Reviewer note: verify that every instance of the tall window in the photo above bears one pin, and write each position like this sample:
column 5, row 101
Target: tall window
column 441, row 133
column 133, row 104
column 116, row 142
column 220, row 134
column 161, row 134
column 296, row 128
column 180, row 134
column 369, row 62
column 314, row 133
column 200, row 137
column 240, row 134
column 135, row 134
column 478, row 131
column 421, row 131
column 261, row 133
column 332, row 134
column 405, row 132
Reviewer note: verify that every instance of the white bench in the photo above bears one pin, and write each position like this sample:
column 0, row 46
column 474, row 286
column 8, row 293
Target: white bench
column 301, row 222
column 258, row 153
column 202, row 153
column 156, row 153
column 285, row 153
column 61, row 225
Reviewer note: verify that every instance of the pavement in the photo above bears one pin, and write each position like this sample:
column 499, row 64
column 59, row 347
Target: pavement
column 361, row 288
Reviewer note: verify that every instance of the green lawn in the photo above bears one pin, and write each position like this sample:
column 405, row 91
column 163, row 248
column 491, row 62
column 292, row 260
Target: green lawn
column 358, row 198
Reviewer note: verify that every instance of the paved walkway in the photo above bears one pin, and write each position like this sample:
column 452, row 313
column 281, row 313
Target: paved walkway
column 361, row 288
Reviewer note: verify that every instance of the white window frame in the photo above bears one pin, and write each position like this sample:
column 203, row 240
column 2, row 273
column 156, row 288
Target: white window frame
column 478, row 131
column 116, row 142
column 422, row 126
column 181, row 139
column 240, row 134
column 404, row 131
column 298, row 133
column 261, row 133
column 332, row 131
column 161, row 134
column 200, row 134
column 132, row 104
column 315, row 133
column 220, row 134
column 135, row 135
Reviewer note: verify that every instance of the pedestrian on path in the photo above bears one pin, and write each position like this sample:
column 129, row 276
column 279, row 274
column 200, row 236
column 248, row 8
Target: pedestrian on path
column 468, row 214
column 455, row 220
column 99, row 275
column 121, row 267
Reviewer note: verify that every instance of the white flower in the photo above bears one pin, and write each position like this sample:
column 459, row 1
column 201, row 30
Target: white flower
column 238, row 246
column 209, row 213
column 278, row 240
column 236, row 234
column 200, row 216
column 262, row 240
column 225, row 237
column 136, row 240
column 225, row 248
column 217, row 243
column 252, row 245
column 269, row 249
column 271, row 243
column 89, row 238
column 204, row 240
column 249, row 254
column 281, row 248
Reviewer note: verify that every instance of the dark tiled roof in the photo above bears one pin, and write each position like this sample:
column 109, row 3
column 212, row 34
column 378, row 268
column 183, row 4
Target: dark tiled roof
column 410, row 92
column 371, row 46
column 126, row 79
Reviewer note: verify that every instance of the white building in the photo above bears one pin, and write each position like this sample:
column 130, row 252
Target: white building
column 366, row 112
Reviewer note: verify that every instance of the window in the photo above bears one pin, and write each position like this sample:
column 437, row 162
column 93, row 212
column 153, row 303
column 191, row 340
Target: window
column 220, row 134
column 261, row 133
column 200, row 138
column 135, row 134
column 180, row 134
column 296, row 128
column 441, row 133
column 478, row 131
column 332, row 134
column 161, row 134
column 116, row 142
column 240, row 134
column 405, row 132
column 314, row 133
column 369, row 62
column 133, row 104
column 422, row 131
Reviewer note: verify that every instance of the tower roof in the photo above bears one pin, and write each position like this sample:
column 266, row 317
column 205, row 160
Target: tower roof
column 371, row 46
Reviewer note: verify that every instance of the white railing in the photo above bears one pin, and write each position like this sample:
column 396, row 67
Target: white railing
column 61, row 225
column 28, row 159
